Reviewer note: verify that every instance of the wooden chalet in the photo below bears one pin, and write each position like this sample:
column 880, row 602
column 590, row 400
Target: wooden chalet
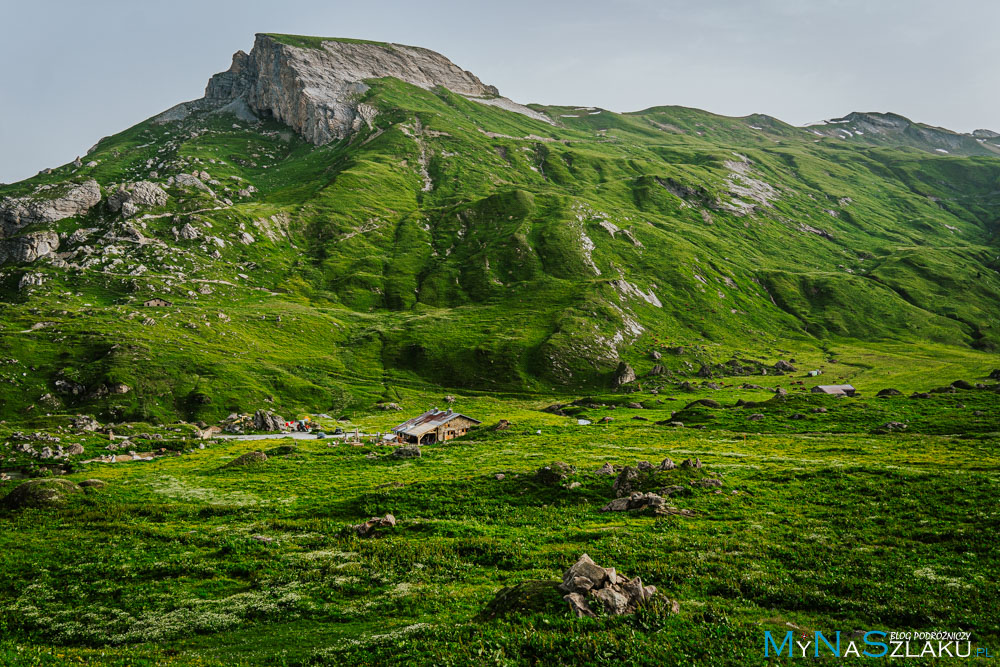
column 434, row 426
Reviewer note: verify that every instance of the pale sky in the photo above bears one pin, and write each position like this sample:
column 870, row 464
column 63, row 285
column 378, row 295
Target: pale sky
column 74, row 71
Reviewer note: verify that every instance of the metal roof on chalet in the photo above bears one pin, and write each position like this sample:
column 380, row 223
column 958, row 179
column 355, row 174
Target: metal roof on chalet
column 833, row 389
column 429, row 421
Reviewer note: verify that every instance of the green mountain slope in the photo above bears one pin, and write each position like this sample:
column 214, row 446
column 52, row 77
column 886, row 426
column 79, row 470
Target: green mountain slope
column 446, row 240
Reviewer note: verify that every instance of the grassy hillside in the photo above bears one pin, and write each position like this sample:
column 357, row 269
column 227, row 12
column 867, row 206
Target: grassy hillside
column 461, row 245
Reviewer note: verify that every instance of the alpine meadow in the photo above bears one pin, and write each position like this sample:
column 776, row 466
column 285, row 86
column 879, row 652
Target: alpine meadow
column 356, row 361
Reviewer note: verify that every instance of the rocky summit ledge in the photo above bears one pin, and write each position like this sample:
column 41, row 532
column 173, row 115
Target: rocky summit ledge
column 315, row 85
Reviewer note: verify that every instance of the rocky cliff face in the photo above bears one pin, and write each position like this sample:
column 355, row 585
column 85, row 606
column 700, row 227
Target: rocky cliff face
column 316, row 90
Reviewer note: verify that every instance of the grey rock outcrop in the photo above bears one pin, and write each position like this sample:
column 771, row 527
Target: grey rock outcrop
column 18, row 212
column 318, row 90
column 28, row 248
column 140, row 194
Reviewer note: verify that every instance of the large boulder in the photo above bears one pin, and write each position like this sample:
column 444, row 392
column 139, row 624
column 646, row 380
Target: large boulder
column 265, row 420
column 534, row 596
column 623, row 375
column 888, row 391
column 784, row 366
column 39, row 493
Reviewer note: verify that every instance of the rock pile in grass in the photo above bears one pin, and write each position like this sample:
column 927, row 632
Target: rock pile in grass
column 587, row 585
column 282, row 450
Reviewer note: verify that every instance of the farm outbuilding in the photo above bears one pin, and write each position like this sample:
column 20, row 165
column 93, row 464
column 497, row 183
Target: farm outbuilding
column 834, row 389
column 434, row 426
column 156, row 302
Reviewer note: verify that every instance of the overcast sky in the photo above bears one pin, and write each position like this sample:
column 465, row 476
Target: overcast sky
column 74, row 71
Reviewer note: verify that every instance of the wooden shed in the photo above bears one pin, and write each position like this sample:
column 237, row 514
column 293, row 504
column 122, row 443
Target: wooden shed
column 434, row 426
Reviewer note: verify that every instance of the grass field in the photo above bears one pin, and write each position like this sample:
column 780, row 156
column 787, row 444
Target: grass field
column 811, row 530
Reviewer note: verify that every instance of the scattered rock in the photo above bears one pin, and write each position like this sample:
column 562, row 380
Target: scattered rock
column 667, row 464
column 818, row 410
column 797, row 416
column 707, row 482
column 606, row 469
column 85, row 423
column 449, row 399
column 93, row 484
column 371, row 527
column 74, row 449
column 755, row 417
column 635, row 501
column 784, row 366
column 889, row 391
column 551, row 475
column 407, row 452
column 691, row 463
column 644, row 466
column 893, row 426
column 502, row 425
column 625, row 482
column 390, row 406
column 962, row 384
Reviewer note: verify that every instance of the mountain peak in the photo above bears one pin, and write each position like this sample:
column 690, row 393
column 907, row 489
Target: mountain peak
column 885, row 128
column 315, row 84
